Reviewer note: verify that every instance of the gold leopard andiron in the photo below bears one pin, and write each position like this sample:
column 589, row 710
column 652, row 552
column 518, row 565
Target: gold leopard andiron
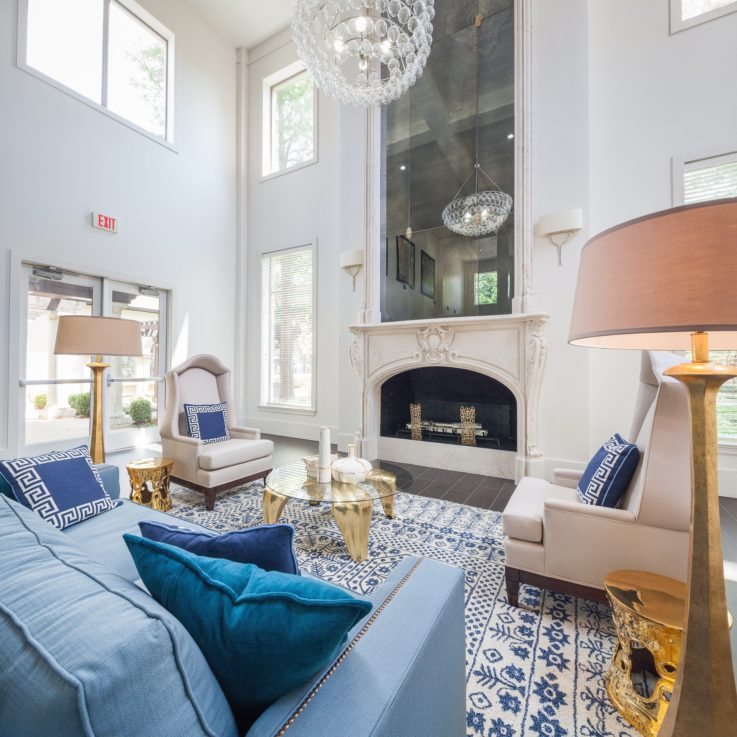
column 468, row 425
column 415, row 421
column 648, row 612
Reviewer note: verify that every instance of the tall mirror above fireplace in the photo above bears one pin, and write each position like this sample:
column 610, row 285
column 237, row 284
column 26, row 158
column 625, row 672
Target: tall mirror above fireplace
column 451, row 137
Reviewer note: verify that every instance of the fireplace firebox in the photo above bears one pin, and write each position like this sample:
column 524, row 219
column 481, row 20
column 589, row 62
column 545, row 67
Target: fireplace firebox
column 488, row 419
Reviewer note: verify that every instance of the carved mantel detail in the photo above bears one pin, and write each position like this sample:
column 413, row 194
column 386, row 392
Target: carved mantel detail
column 434, row 342
column 511, row 349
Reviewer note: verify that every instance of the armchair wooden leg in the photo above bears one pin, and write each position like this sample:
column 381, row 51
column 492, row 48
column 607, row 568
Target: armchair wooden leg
column 513, row 580
column 210, row 495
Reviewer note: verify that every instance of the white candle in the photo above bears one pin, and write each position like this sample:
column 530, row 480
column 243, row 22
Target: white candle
column 324, row 451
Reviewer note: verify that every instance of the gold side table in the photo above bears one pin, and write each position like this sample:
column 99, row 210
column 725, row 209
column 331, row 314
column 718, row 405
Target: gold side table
column 648, row 612
column 150, row 480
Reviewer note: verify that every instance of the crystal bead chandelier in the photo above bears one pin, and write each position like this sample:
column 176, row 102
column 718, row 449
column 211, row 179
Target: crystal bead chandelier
column 486, row 210
column 363, row 52
column 480, row 213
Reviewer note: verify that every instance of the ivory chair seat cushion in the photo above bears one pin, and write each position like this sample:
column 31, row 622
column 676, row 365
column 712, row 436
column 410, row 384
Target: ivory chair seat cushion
column 523, row 515
column 215, row 456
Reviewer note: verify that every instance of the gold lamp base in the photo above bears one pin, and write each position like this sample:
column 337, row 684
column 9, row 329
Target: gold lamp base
column 704, row 701
column 97, row 441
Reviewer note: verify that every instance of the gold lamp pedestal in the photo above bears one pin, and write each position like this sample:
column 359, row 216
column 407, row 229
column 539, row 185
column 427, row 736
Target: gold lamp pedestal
column 97, row 436
column 704, row 701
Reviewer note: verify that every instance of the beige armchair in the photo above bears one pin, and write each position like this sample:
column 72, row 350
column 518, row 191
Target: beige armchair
column 209, row 467
column 553, row 541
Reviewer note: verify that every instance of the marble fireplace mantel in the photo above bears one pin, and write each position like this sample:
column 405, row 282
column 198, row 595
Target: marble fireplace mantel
column 509, row 348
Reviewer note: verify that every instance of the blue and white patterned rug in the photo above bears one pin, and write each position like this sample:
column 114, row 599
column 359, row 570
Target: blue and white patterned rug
column 536, row 671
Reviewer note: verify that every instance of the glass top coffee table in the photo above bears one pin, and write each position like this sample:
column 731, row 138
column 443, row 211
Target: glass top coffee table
column 352, row 503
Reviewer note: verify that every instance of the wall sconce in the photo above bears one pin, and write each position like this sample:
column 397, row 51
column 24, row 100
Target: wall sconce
column 352, row 261
column 560, row 227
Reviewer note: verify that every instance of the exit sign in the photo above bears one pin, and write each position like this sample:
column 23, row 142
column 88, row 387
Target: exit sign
column 105, row 222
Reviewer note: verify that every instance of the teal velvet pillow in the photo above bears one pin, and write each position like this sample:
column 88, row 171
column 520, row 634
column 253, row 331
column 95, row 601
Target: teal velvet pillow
column 263, row 634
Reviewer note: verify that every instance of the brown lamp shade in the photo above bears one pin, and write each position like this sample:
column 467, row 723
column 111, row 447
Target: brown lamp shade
column 649, row 283
column 104, row 336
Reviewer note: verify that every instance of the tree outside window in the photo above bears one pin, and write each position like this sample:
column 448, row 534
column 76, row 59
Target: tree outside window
column 485, row 288
column 292, row 122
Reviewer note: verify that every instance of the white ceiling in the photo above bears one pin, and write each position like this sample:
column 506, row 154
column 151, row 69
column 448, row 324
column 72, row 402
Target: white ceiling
column 244, row 22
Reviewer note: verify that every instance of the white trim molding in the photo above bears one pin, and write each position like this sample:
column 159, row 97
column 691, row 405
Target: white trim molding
column 511, row 349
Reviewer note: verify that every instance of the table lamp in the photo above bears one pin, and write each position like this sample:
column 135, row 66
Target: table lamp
column 668, row 281
column 97, row 336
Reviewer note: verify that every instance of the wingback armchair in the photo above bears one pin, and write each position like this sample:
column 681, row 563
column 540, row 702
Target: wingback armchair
column 209, row 467
column 554, row 541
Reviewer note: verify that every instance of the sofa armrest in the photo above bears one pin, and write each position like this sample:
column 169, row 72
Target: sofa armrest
column 563, row 506
column 245, row 433
column 387, row 684
column 110, row 476
column 568, row 477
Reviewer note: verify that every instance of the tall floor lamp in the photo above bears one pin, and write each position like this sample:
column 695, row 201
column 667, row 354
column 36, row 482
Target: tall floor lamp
column 665, row 282
column 97, row 336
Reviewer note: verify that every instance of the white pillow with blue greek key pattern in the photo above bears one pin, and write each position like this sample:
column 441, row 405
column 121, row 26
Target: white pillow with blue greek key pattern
column 609, row 472
column 207, row 422
column 62, row 487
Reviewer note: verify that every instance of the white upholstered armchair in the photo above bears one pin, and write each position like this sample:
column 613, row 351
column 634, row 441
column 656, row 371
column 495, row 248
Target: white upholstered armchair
column 209, row 467
column 554, row 541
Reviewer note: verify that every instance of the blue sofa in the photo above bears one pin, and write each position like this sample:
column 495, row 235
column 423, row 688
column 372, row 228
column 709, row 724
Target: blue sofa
column 84, row 650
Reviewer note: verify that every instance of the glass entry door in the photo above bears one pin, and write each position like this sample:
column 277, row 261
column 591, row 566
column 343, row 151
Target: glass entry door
column 135, row 384
column 55, row 390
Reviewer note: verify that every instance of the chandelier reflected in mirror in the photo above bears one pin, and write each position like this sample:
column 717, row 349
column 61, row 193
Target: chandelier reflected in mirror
column 363, row 52
column 480, row 213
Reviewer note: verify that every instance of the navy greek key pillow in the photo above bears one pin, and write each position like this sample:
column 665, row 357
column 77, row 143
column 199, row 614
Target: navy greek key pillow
column 609, row 472
column 207, row 422
column 62, row 487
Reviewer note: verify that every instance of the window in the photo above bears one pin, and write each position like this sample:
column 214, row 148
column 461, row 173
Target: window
column 287, row 314
column 55, row 390
column 109, row 52
column 710, row 178
column 699, row 180
column 485, row 288
column 289, row 121
column 687, row 13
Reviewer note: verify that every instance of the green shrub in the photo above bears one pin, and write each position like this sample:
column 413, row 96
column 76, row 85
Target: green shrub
column 140, row 411
column 80, row 403
column 40, row 401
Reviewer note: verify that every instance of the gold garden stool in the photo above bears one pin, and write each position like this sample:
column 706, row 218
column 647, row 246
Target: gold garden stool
column 150, row 479
column 648, row 612
column 352, row 504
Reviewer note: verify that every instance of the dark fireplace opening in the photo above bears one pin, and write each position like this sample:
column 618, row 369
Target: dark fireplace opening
column 449, row 405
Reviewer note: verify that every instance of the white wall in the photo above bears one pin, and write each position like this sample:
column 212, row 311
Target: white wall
column 652, row 96
column 61, row 159
column 321, row 204
column 614, row 97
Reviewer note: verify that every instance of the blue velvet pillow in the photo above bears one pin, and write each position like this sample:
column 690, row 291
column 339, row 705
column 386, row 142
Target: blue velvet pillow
column 62, row 487
column 609, row 472
column 266, row 546
column 207, row 422
column 263, row 634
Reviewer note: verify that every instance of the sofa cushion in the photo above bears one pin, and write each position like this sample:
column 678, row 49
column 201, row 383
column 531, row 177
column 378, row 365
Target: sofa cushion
column 523, row 515
column 269, row 547
column 233, row 452
column 262, row 633
column 609, row 472
column 62, row 487
column 89, row 652
column 102, row 536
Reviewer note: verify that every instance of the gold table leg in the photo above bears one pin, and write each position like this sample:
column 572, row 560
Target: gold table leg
column 387, row 502
column 155, row 483
column 273, row 505
column 354, row 521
